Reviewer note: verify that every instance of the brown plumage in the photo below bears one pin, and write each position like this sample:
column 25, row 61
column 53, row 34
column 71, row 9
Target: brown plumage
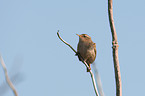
column 87, row 49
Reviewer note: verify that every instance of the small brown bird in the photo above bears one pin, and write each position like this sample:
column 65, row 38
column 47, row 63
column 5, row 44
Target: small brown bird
column 87, row 49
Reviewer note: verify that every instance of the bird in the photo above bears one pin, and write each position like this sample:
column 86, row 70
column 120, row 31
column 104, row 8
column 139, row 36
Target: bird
column 86, row 50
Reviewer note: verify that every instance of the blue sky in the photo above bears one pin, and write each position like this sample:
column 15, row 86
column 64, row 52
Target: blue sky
column 47, row 67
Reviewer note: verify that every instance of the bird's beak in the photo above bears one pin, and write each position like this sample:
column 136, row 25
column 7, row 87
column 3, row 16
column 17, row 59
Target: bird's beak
column 78, row 35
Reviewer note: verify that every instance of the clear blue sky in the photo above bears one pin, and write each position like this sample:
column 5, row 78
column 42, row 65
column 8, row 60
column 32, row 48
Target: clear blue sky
column 47, row 67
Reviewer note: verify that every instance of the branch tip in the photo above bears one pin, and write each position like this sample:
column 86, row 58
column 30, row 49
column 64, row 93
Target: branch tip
column 91, row 73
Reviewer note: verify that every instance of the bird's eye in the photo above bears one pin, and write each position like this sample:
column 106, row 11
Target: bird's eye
column 84, row 36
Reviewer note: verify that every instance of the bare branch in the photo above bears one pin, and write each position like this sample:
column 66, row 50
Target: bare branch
column 93, row 79
column 91, row 73
column 66, row 42
column 115, row 50
column 6, row 76
column 98, row 80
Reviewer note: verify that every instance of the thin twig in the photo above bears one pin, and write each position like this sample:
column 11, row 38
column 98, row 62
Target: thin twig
column 93, row 79
column 115, row 50
column 6, row 76
column 91, row 73
column 66, row 42
column 98, row 80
